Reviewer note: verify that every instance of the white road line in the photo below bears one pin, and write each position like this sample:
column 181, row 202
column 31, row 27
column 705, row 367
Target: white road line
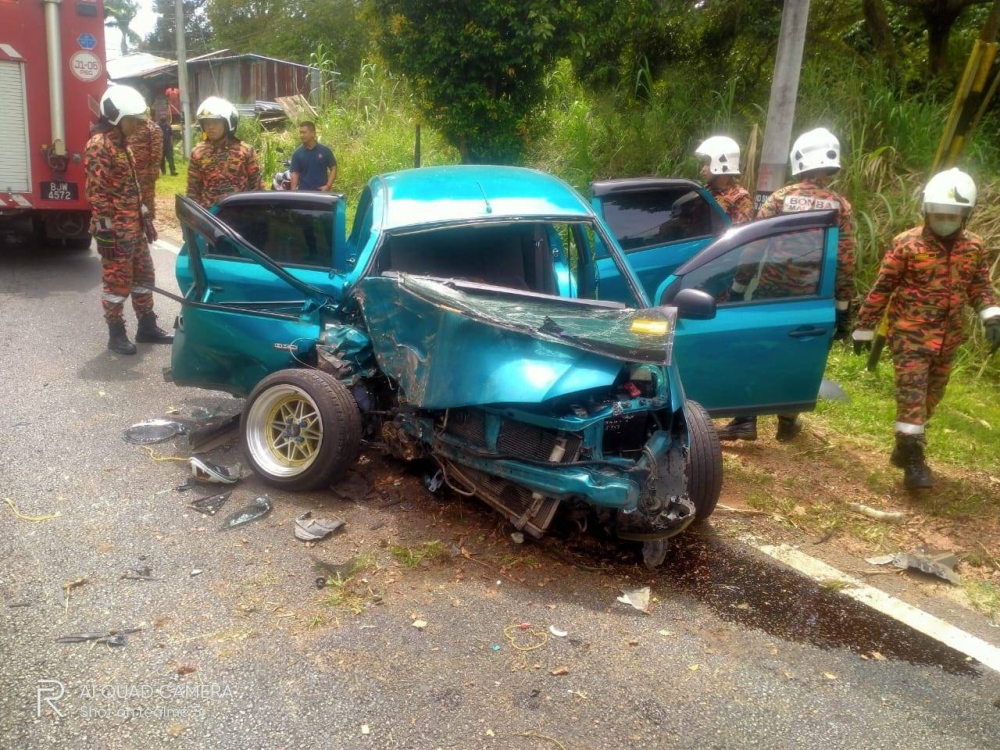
column 941, row 631
column 168, row 246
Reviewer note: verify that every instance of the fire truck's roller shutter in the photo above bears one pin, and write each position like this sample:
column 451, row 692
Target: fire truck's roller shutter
column 14, row 176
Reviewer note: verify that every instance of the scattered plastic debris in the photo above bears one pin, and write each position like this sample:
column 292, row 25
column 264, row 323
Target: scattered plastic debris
column 636, row 598
column 342, row 571
column 144, row 573
column 257, row 509
column 190, row 484
column 940, row 564
column 419, row 624
column 196, row 572
column 309, row 529
column 893, row 516
column 365, row 729
column 152, row 431
column 110, row 637
column 202, row 414
column 557, row 632
column 517, row 537
column 210, row 504
column 496, row 646
column 20, row 515
column 830, row 390
column 206, row 471
column 560, row 671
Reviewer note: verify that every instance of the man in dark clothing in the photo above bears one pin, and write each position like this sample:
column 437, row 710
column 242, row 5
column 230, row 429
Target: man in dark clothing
column 168, row 146
column 314, row 167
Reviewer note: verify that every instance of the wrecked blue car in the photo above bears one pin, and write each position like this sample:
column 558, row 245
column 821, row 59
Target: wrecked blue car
column 464, row 321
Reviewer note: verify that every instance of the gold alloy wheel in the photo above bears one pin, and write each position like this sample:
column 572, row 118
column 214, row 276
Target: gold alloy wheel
column 284, row 431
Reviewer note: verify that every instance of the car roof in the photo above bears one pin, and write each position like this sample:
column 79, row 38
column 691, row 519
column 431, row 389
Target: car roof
column 463, row 193
column 601, row 188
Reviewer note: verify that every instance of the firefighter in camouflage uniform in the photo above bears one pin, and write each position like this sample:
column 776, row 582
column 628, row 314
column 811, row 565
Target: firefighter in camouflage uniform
column 720, row 168
column 221, row 164
column 146, row 144
column 928, row 276
column 815, row 158
column 117, row 222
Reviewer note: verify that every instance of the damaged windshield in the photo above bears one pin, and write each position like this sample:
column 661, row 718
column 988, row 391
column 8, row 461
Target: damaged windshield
column 624, row 333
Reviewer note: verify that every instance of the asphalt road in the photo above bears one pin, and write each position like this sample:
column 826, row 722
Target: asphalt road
column 735, row 652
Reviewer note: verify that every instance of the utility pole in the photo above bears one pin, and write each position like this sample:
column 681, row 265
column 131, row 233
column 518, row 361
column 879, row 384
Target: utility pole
column 784, row 91
column 182, row 76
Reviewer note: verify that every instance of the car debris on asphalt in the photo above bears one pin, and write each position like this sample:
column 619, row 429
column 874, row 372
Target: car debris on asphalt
column 309, row 529
column 152, row 431
column 257, row 509
column 636, row 598
column 937, row 563
column 144, row 573
column 109, row 637
column 206, row 471
column 210, row 504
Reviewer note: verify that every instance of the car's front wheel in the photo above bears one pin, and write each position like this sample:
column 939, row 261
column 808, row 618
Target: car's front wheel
column 704, row 461
column 301, row 429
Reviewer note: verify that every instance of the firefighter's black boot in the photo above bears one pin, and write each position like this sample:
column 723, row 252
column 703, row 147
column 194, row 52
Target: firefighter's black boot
column 916, row 473
column 118, row 340
column 896, row 459
column 741, row 428
column 788, row 428
column 150, row 333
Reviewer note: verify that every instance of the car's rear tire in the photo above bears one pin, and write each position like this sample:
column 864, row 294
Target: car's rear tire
column 704, row 461
column 300, row 429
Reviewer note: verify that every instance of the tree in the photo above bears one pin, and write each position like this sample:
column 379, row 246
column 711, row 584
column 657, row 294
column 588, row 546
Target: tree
column 939, row 18
column 477, row 69
column 119, row 14
column 197, row 28
column 292, row 29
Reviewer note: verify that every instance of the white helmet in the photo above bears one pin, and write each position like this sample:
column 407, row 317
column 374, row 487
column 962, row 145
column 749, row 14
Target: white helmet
column 724, row 154
column 122, row 101
column 817, row 149
column 950, row 192
column 217, row 108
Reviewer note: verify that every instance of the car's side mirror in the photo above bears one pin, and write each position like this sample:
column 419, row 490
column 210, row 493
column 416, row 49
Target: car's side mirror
column 694, row 304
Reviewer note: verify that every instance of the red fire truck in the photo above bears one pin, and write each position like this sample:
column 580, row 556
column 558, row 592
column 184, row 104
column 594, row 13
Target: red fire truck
column 52, row 76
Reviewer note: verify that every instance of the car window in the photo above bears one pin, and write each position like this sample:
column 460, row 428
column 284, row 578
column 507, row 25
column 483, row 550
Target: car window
column 289, row 235
column 655, row 217
column 783, row 266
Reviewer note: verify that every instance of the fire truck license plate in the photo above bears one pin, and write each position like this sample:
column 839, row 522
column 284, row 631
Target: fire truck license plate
column 60, row 191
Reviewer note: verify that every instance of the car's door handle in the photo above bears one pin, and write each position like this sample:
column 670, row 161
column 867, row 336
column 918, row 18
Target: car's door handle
column 806, row 332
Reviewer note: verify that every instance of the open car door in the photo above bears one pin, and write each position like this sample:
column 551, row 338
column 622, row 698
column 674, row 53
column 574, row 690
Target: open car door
column 766, row 349
column 659, row 224
column 302, row 232
column 227, row 338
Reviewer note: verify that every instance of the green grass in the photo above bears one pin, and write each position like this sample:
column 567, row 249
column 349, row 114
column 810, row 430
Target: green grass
column 168, row 184
column 415, row 556
column 984, row 596
column 965, row 430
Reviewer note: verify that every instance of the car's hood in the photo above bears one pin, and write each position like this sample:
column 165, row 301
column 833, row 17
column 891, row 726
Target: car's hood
column 448, row 347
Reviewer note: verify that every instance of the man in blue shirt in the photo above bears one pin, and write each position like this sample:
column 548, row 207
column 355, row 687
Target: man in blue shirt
column 314, row 167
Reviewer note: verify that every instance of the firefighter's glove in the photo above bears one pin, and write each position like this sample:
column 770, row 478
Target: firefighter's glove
column 107, row 246
column 992, row 327
column 862, row 340
column 842, row 326
column 147, row 226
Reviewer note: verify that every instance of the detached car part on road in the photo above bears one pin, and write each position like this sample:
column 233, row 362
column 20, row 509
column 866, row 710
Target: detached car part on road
column 463, row 321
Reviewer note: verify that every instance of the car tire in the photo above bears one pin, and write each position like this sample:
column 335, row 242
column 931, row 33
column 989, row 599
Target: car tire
column 300, row 429
column 704, row 461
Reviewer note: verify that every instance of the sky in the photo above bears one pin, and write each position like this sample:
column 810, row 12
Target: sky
column 144, row 22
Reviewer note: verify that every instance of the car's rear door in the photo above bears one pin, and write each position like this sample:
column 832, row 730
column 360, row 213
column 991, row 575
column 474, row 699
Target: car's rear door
column 298, row 231
column 227, row 338
column 659, row 224
column 766, row 348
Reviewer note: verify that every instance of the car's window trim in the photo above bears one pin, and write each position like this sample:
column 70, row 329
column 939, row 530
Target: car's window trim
column 303, row 266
